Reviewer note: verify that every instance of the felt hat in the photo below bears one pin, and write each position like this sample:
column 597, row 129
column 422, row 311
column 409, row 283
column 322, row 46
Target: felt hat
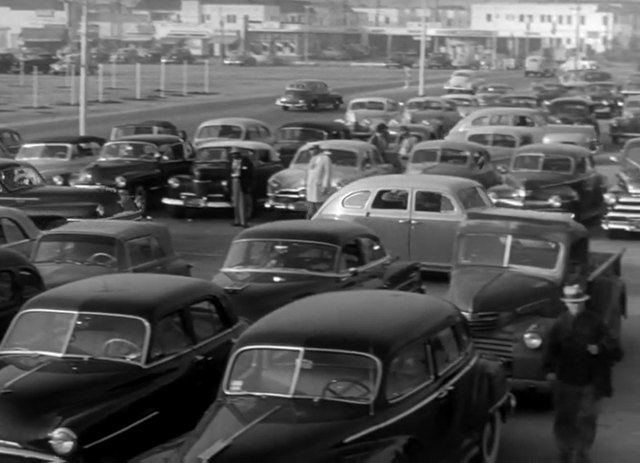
column 574, row 294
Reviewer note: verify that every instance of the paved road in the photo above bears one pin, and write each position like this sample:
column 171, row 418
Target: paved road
column 204, row 238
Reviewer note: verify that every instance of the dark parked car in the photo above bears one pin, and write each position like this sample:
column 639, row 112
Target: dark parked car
column 309, row 95
column 487, row 94
column 179, row 56
column 370, row 376
column 86, row 360
column 32, row 61
column 139, row 166
column 439, row 61
column 509, row 270
column 553, row 177
column 547, row 91
column 19, row 282
column 606, row 97
column 90, row 248
column 17, row 231
column 623, row 199
column 60, row 159
column 22, row 186
column 8, row 63
column 11, row 140
column 208, row 186
column 627, row 125
column 574, row 111
column 144, row 128
column 291, row 136
column 279, row 262
column 240, row 59
column 401, row 60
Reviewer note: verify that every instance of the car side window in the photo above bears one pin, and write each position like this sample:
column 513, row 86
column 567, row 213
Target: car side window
column 523, row 121
column 590, row 164
column 30, row 283
column 208, row 320
column 484, row 120
column 504, row 141
column 176, row 152
column 372, row 250
column 445, row 349
column 391, row 200
column 7, row 287
column 11, row 232
column 144, row 250
column 480, row 138
column 429, row 201
column 351, row 256
column 473, row 197
column 253, row 133
column 581, row 166
column 463, row 337
column 169, row 337
column 409, row 370
column 356, row 200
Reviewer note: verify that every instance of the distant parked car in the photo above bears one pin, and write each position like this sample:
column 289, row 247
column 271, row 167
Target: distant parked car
column 606, row 97
column 29, row 62
column 466, row 104
column 518, row 100
column 541, row 66
column 401, row 60
column 439, row 61
column 144, row 128
column 239, row 59
column 309, row 95
column 8, row 62
column 439, row 114
column 576, row 110
column 463, row 81
column 365, row 113
column 501, row 140
column 179, row 56
column 627, row 125
column 233, row 128
column 71, row 64
column 291, row 136
column 487, row 94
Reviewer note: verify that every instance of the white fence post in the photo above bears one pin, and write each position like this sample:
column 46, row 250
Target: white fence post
column 100, row 83
column 35, row 87
column 138, row 82
column 22, row 73
column 185, row 77
column 72, row 91
column 163, row 76
column 206, row 76
column 67, row 74
column 114, row 74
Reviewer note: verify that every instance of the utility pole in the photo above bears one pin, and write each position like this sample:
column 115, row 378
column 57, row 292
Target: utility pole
column 378, row 12
column 577, row 55
column 82, row 116
column 423, row 48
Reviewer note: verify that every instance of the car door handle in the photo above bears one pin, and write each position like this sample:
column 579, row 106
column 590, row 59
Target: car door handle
column 415, row 222
column 444, row 392
column 403, row 221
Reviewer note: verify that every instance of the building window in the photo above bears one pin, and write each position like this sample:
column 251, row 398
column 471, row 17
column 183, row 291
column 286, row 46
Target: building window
column 605, row 20
column 488, row 17
column 569, row 19
column 387, row 21
column 231, row 18
column 582, row 19
column 542, row 18
column 530, row 18
column 560, row 18
column 568, row 40
column 521, row 18
column 615, row 19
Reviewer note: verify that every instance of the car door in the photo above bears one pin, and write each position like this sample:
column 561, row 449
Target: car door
column 13, row 236
column 502, row 147
column 361, row 265
column 388, row 215
column 145, row 255
column 264, row 167
column 174, row 162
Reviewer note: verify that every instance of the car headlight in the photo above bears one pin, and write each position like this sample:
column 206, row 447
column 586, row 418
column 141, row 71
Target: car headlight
column 58, row 180
column 520, row 193
column 555, row 201
column 224, row 183
column 100, row 210
column 365, row 122
column 173, row 182
column 610, row 199
column 85, row 177
column 274, row 183
column 121, row 182
column 532, row 340
column 63, row 441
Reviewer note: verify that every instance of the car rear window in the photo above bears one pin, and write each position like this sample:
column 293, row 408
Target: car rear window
column 473, row 197
column 420, row 156
column 356, row 200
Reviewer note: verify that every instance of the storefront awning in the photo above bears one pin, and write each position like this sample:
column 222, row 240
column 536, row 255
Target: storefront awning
column 44, row 34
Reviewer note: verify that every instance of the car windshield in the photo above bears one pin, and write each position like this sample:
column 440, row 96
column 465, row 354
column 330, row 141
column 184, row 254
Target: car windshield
column 120, row 132
column 74, row 334
column 570, row 107
column 17, row 178
column 220, row 131
column 368, row 105
column 44, row 151
column 300, row 134
column 424, row 105
column 338, row 157
column 601, row 88
column 131, row 150
column 275, row 256
column 78, row 249
column 542, row 162
column 303, row 373
column 461, row 101
column 509, row 251
column 296, row 93
column 597, row 76
column 443, row 156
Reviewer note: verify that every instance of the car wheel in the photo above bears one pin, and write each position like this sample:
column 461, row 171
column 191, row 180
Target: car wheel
column 489, row 446
column 140, row 199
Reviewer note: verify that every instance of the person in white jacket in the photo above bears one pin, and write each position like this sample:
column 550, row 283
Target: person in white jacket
column 318, row 180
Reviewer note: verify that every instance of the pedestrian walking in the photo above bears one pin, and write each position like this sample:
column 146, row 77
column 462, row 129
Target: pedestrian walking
column 242, row 171
column 318, row 179
column 380, row 138
column 579, row 358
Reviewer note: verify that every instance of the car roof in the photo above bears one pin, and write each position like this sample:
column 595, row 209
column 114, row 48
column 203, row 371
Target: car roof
column 149, row 123
column 512, row 129
column 450, row 144
column 10, row 258
column 232, row 120
column 306, row 81
column 335, row 232
column 395, row 181
column 503, row 110
column 70, row 139
column 321, row 125
column 339, row 143
column 150, row 138
column 146, row 295
column 123, row 229
column 377, row 322
column 246, row 144
column 562, row 149
column 380, row 99
column 574, row 98
column 521, row 221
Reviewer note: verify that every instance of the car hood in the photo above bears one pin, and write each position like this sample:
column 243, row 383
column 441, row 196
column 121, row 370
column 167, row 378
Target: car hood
column 114, row 167
column 448, row 169
column 294, row 177
column 490, row 289
column 59, row 274
column 270, row 430
column 535, row 180
column 39, row 392
column 54, row 194
column 371, row 114
column 212, row 170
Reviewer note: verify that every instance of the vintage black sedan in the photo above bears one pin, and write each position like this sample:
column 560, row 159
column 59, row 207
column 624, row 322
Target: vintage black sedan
column 606, row 97
column 310, row 95
column 553, row 177
column 547, row 91
column 366, row 376
column 627, row 125
column 279, row 262
column 98, row 370
column 518, row 100
column 139, row 166
column 22, row 186
column 291, row 136
column 209, row 185
column 90, row 248
column 576, row 110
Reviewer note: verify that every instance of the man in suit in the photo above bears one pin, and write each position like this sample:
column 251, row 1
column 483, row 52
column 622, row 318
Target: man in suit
column 242, row 173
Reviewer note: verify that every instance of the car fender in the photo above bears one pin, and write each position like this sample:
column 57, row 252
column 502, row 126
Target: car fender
column 179, row 266
column 397, row 274
column 491, row 388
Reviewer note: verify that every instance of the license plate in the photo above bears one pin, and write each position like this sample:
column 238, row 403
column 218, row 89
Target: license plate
column 195, row 202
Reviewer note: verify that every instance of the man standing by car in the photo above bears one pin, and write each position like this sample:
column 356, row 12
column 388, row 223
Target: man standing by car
column 318, row 180
column 380, row 138
column 579, row 357
column 242, row 170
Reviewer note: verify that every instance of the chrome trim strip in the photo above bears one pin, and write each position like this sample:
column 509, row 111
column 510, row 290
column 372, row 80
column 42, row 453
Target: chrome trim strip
column 30, row 454
column 203, row 205
column 120, row 431
column 412, row 409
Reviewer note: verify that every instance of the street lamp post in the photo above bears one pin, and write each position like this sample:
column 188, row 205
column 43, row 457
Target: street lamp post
column 423, row 48
column 82, row 115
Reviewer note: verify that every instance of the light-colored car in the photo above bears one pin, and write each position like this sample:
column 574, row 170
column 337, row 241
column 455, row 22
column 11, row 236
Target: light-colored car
column 582, row 64
column 463, row 81
column 586, row 138
column 351, row 159
column 433, row 111
column 364, row 114
column 415, row 215
column 233, row 128
column 59, row 159
column 501, row 140
column 465, row 103
column 537, row 65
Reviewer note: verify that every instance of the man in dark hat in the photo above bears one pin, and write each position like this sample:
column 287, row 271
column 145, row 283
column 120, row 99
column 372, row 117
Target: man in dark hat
column 579, row 356
column 242, row 171
column 380, row 138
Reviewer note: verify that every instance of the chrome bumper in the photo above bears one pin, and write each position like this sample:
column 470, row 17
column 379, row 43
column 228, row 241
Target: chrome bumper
column 530, row 204
column 612, row 221
column 30, row 455
column 291, row 105
column 200, row 203
column 299, row 205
